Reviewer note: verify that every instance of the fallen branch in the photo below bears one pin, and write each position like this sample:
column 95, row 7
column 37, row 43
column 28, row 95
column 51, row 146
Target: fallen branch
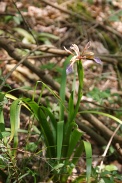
column 112, row 59
column 106, row 150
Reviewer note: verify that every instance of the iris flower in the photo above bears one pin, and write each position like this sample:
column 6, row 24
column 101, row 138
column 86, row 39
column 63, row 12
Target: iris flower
column 77, row 55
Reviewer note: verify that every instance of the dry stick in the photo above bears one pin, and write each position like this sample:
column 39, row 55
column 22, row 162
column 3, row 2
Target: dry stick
column 43, row 48
column 33, row 57
column 9, row 47
column 7, row 14
column 59, row 52
column 99, row 139
column 107, row 133
column 119, row 149
column 111, row 56
column 106, row 150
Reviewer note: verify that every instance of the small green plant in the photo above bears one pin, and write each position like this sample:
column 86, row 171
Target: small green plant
column 115, row 16
column 109, row 174
column 98, row 95
column 61, row 137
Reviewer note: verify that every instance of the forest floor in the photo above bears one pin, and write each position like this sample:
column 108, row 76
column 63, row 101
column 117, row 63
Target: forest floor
column 53, row 25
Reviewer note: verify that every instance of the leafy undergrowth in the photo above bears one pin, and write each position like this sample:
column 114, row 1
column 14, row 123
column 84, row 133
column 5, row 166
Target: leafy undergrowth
column 60, row 107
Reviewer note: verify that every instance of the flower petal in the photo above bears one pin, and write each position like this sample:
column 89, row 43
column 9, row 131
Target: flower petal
column 76, row 49
column 68, row 51
column 73, row 59
column 69, row 69
column 98, row 60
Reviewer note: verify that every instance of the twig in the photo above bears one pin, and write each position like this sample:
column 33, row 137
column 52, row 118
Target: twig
column 7, row 14
column 33, row 57
column 97, row 137
column 53, row 50
column 106, row 132
column 43, row 48
column 119, row 149
column 111, row 55
column 106, row 150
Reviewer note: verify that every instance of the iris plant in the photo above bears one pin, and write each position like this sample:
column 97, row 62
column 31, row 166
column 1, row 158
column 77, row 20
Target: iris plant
column 77, row 55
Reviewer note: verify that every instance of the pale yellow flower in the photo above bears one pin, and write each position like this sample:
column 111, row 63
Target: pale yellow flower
column 78, row 56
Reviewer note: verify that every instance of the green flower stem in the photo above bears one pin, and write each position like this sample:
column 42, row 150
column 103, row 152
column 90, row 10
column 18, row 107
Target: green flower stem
column 80, row 88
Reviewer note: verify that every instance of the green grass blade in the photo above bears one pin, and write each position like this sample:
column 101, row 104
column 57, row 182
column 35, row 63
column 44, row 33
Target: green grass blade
column 78, row 153
column 60, row 131
column 25, row 34
column 2, row 95
column 53, row 123
column 71, row 108
column 80, row 73
column 2, row 124
column 15, row 121
column 88, row 152
column 9, row 96
column 67, row 134
column 33, row 106
column 62, row 89
column 47, row 133
column 14, row 117
column 52, row 92
column 104, row 114
column 47, row 35
column 52, row 117
column 74, row 138
column 48, row 129
column 69, row 124
column 80, row 77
